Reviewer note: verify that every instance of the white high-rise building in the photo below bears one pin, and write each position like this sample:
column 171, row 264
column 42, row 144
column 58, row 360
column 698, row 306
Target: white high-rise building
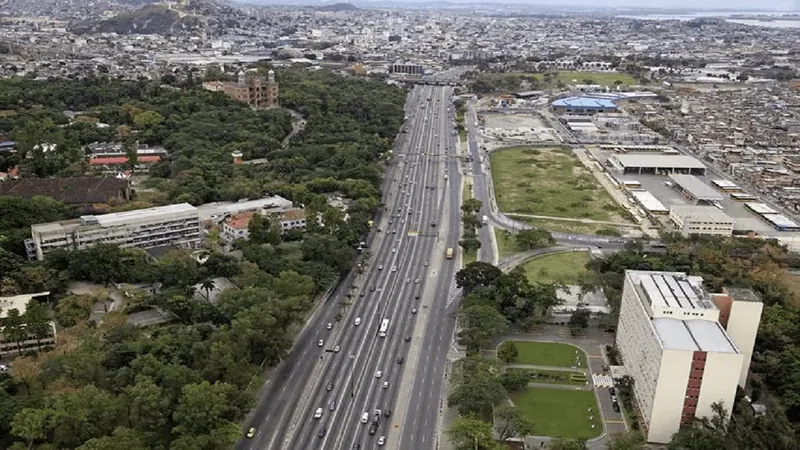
column 681, row 358
column 172, row 225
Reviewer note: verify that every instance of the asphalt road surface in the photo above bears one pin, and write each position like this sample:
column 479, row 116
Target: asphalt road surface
column 335, row 370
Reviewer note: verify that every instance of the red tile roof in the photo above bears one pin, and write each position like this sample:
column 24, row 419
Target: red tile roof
column 116, row 160
column 239, row 221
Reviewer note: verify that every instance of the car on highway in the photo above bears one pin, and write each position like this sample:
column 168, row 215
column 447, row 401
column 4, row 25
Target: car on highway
column 378, row 374
column 380, row 266
column 329, row 387
column 416, row 281
column 394, row 268
column 426, row 264
column 373, row 428
column 318, row 413
column 394, row 250
column 251, row 432
column 394, row 231
column 357, row 322
column 433, row 223
column 372, row 288
column 416, row 297
column 329, row 326
column 413, row 310
column 387, row 413
column 322, row 432
column 400, row 360
column 320, row 343
column 381, row 440
column 332, row 405
column 407, row 339
column 365, row 417
column 386, row 385
column 336, row 349
column 408, row 280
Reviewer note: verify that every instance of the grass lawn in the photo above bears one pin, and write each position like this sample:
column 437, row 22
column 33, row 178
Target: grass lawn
column 549, row 182
column 506, row 243
column 555, row 377
column 565, row 268
column 602, row 78
column 560, row 412
column 468, row 257
column 549, row 354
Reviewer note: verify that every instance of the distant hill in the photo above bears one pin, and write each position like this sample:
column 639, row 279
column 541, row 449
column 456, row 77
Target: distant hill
column 338, row 7
column 149, row 19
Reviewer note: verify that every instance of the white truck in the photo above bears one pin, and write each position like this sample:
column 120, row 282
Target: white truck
column 485, row 219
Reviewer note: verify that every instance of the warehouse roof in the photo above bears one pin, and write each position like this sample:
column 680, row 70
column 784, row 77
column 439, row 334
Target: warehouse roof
column 697, row 188
column 584, row 102
column 649, row 201
column 693, row 335
column 702, row 213
column 660, row 161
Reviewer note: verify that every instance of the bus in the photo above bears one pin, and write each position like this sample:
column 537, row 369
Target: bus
column 449, row 253
column 384, row 328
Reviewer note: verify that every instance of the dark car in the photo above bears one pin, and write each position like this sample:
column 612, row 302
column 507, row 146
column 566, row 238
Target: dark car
column 615, row 405
column 329, row 387
column 400, row 360
column 322, row 432
column 611, row 391
column 373, row 428
column 387, row 413
column 407, row 339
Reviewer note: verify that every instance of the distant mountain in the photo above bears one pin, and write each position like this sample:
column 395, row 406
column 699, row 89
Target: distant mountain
column 149, row 19
column 338, row 7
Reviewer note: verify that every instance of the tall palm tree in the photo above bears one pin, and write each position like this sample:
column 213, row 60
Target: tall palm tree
column 208, row 286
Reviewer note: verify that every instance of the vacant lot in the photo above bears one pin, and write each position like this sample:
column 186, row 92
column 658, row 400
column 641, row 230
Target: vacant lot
column 549, row 182
column 603, row 78
column 565, row 268
column 560, row 412
column 549, row 354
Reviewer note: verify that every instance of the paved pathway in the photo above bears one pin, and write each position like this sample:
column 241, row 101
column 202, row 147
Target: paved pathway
column 571, row 219
column 541, row 367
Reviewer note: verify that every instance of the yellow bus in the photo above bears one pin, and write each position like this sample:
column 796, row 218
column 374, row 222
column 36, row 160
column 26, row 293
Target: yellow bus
column 449, row 253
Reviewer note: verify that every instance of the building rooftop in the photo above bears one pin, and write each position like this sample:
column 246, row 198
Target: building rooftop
column 584, row 102
column 693, row 335
column 239, row 221
column 114, row 219
column 649, row 201
column 702, row 213
column 697, row 188
column 744, row 294
column 671, row 290
column 660, row 161
column 18, row 302
column 219, row 209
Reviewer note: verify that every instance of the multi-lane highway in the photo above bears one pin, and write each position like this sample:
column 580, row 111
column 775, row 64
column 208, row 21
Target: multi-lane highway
column 339, row 370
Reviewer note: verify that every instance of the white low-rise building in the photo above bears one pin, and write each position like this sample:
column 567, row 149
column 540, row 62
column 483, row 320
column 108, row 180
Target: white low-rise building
column 173, row 225
column 701, row 219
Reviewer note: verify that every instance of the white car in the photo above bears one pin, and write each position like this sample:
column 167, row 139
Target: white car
column 337, row 349
column 408, row 280
column 329, row 326
column 416, row 281
column 378, row 374
column 357, row 321
column 381, row 440
column 394, row 250
column 318, row 414
column 413, row 310
column 380, row 267
column 386, row 385
column 320, row 343
column 394, row 268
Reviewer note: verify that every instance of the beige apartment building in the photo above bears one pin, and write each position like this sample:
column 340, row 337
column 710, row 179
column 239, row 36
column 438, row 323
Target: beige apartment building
column 256, row 91
column 673, row 342
column 172, row 225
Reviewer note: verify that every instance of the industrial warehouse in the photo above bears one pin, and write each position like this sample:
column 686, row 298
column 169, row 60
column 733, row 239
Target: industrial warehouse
column 657, row 164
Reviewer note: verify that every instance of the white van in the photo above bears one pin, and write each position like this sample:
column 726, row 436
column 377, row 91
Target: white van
column 358, row 321
column 318, row 414
column 365, row 417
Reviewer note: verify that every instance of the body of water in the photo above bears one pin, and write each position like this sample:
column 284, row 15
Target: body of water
column 773, row 22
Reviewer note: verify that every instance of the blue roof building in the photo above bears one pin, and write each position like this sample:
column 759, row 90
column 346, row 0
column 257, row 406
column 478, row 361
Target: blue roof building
column 583, row 105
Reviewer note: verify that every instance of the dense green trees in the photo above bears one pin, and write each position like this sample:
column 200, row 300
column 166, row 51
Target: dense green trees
column 187, row 384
